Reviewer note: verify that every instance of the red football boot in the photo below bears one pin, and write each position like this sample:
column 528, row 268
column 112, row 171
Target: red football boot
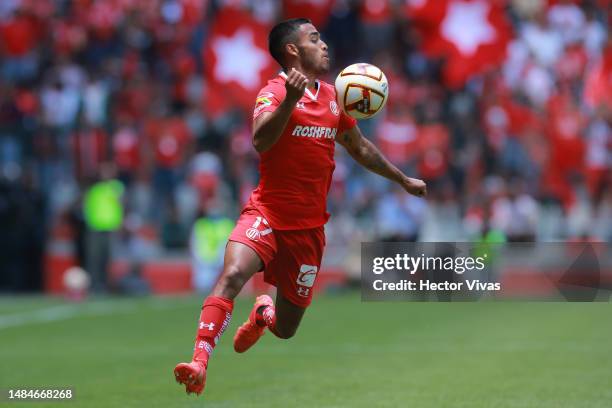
column 193, row 375
column 250, row 331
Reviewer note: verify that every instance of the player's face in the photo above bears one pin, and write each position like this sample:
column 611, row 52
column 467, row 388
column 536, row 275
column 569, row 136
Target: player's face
column 313, row 51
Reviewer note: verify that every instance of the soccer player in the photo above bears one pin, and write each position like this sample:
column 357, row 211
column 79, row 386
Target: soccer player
column 296, row 123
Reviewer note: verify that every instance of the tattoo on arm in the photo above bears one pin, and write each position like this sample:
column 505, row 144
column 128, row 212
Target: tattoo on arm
column 373, row 159
column 366, row 154
column 347, row 141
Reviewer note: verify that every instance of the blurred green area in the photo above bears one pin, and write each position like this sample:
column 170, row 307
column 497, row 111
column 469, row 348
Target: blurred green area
column 121, row 352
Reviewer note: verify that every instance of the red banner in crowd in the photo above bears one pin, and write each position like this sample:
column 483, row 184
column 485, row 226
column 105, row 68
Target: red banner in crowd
column 472, row 35
column 318, row 11
column 236, row 61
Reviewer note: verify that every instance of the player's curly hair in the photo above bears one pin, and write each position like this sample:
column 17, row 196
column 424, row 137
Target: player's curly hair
column 282, row 34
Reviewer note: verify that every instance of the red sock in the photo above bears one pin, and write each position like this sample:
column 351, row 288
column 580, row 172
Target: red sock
column 268, row 315
column 214, row 319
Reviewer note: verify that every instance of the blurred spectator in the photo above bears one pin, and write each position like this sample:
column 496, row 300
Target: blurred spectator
column 399, row 216
column 434, row 145
column 598, row 156
column 598, row 86
column 23, row 237
column 205, row 176
column 18, row 37
column 208, row 238
column 103, row 213
column 60, row 105
column 76, row 220
column 542, row 40
column 173, row 232
column 397, row 136
column 170, row 140
column 567, row 18
column 594, row 33
column 126, row 151
column 95, row 102
column 377, row 26
column 515, row 213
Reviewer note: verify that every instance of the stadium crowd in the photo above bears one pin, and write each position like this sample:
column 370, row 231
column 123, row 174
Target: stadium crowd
column 118, row 89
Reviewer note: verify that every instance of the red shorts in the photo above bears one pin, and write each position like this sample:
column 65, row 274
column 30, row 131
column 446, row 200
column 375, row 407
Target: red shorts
column 292, row 258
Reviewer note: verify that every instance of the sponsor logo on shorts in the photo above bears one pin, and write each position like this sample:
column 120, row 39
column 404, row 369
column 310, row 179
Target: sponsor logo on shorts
column 307, row 275
column 333, row 106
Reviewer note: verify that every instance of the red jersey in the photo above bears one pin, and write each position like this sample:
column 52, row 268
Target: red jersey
column 296, row 172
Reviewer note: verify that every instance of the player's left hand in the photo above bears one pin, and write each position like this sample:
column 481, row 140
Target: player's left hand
column 415, row 187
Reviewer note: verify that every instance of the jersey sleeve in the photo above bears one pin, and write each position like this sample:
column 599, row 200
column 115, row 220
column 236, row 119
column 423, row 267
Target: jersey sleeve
column 346, row 122
column 267, row 100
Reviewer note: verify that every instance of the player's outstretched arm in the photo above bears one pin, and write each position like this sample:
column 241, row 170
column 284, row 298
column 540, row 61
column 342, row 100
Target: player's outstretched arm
column 268, row 127
column 368, row 155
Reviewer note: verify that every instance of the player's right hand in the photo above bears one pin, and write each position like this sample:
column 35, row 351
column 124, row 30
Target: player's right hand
column 415, row 187
column 295, row 85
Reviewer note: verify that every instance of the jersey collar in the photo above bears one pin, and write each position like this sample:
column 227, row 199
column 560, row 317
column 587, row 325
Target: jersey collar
column 307, row 92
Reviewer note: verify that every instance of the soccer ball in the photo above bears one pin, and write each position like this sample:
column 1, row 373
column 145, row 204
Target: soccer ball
column 76, row 281
column 362, row 90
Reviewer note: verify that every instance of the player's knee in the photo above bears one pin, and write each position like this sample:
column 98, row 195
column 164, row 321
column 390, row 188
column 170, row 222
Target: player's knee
column 233, row 279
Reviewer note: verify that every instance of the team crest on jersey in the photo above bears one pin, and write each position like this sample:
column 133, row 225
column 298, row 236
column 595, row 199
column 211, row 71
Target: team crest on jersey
column 333, row 106
column 255, row 232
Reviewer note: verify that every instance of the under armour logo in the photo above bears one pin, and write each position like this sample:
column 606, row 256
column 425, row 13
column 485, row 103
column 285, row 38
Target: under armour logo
column 302, row 291
column 210, row 326
column 300, row 105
